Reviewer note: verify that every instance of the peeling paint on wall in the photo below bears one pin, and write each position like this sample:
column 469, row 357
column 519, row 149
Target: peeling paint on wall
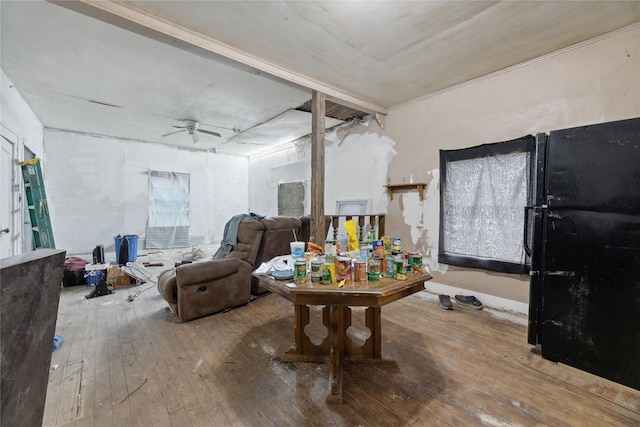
column 356, row 168
column 424, row 219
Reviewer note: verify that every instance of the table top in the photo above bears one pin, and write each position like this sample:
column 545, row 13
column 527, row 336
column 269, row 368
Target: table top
column 366, row 293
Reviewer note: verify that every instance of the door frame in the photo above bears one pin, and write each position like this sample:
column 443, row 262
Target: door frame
column 15, row 208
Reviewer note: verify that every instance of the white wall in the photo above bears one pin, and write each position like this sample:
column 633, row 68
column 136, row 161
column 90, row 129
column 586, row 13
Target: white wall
column 356, row 169
column 98, row 187
column 19, row 118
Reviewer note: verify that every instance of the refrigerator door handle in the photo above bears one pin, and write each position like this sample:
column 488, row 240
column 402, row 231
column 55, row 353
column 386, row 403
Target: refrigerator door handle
column 527, row 249
column 560, row 273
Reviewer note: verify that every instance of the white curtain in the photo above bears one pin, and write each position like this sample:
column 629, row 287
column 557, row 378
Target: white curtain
column 484, row 200
column 168, row 225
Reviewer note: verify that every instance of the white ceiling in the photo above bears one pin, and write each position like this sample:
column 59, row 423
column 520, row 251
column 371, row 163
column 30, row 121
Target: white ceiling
column 158, row 62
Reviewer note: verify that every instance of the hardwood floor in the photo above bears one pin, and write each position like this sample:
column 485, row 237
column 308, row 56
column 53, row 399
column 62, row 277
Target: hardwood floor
column 128, row 363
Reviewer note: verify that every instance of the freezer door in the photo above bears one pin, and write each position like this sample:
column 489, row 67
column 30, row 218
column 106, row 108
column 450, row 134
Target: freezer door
column 589, row 315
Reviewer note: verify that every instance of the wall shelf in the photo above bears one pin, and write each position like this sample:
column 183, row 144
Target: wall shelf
column 420, row 186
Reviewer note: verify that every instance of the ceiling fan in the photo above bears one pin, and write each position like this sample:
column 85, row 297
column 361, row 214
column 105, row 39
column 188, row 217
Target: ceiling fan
column 192, row 127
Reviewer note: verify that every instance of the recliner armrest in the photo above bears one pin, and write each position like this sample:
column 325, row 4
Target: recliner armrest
column 208, row 270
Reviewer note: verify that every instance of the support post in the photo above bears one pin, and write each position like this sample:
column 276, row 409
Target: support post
column 317, row 167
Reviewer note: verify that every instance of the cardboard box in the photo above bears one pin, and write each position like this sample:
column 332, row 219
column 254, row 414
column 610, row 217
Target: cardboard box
column 116, row 277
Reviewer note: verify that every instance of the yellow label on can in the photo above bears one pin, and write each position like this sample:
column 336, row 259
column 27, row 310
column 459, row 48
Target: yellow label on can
column 328, row 273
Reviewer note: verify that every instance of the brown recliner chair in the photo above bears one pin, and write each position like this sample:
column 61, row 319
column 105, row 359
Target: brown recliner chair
column 278, row 233
column 204, row 288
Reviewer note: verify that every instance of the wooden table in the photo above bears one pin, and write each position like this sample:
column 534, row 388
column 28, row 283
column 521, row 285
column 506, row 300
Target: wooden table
column 337, row 318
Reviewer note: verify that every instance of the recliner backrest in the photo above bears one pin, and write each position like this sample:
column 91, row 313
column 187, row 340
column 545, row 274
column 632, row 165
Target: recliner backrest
column 250, row 232
column 278, row 233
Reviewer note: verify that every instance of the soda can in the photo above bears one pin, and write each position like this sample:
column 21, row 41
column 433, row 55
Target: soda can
column 300, row 272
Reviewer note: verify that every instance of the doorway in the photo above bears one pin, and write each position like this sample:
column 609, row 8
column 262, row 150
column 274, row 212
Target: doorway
column 9, row 197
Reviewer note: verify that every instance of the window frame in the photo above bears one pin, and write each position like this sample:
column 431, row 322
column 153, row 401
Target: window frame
column 525, row 144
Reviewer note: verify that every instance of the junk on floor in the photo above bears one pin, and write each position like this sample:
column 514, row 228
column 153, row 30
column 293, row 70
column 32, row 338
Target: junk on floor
column 116, row 276
column 193, row 254
column 57, row 341
column 73, row 274
column 126, row 248
column 99, row 290
column 94, row 273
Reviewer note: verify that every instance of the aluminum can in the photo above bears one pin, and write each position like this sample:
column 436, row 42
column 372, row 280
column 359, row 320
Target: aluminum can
column 373, row 272
column 388, row 270
column 300, row 272
column 343, row 268
column 316, row 271
column 360, row 271
column 399, row 268
column 415, row 259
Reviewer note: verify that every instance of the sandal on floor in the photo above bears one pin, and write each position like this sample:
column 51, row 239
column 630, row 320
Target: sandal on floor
column 469, row 301
column 445, row 302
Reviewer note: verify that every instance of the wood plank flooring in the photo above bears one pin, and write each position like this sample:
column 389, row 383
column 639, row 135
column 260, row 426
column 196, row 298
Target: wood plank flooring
column 128, row 363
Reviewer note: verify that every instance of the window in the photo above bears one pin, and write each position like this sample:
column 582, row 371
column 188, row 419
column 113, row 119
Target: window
column 168, row 225
column 483, row 193
column 291, row 199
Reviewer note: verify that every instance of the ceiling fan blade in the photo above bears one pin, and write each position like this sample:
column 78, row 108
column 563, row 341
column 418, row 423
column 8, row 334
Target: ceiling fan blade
column 195, row 138
column 175, row 131
column 210, row 132
column 180, row 127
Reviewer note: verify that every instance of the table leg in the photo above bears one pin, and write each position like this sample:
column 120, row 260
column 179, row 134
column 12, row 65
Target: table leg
column 372, row 320
column 336, row 334
column 303, row 349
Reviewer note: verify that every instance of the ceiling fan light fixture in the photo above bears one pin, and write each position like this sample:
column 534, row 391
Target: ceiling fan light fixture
column 192, row 127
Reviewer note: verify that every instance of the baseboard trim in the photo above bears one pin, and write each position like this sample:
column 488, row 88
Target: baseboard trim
column 491, row 301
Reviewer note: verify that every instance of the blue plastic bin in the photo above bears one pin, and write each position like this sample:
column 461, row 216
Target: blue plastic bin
column 133, row 246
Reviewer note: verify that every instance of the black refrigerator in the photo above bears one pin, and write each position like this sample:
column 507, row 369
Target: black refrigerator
column 583, row 235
